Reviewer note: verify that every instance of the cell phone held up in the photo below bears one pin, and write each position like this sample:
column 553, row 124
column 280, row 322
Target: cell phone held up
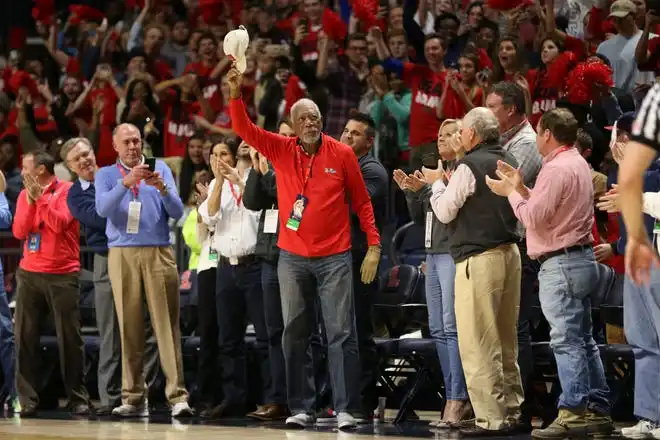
column 151, row 163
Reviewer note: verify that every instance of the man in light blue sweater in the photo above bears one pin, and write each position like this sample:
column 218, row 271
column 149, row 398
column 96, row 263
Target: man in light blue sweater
column 138, row 203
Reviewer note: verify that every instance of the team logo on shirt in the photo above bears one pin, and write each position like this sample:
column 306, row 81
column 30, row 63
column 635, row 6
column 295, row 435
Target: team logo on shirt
column 426, row 100
column 330, row 171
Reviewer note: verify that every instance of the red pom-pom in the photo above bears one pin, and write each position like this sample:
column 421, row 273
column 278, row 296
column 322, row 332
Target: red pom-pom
column 586, row 77
column 558, row 70
column 84, row 13
column 366, row 11
column 43, row 11
column 23, row 79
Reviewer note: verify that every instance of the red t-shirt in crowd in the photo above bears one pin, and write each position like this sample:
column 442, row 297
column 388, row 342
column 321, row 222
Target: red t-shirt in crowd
column 334, row 185
column 210, row 88
column 160, row 69
column 177, row 132
column 105, row 153
column 223, row 118
column 426, row 87
column 49, row 219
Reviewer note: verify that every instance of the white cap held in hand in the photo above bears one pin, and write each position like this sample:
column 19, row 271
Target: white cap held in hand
column 235, row 45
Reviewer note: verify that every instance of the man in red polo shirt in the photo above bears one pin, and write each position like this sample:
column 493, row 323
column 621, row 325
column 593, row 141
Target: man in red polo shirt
column 318, row 184
column 47, row 280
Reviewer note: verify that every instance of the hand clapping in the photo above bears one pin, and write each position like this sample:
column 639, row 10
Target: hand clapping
column 34, row 190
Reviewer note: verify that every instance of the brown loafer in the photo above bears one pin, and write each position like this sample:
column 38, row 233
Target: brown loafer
column 270, row 412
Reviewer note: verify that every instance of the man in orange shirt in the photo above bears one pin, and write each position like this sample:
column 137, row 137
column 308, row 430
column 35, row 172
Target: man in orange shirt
column 47, row 280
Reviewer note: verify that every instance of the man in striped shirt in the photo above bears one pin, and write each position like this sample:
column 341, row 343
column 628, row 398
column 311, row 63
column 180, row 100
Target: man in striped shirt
column 642, row 289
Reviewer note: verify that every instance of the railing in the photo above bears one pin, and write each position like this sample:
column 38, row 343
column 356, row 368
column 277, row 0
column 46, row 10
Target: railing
column 11, row 250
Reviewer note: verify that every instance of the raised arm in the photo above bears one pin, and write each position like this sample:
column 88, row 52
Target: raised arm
column 271, row 145
column 24, row 218
column 171, row 200
column 108, row 195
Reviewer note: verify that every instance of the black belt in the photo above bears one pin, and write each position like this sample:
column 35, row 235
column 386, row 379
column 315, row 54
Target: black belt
column 578, row 247
column 237, row 261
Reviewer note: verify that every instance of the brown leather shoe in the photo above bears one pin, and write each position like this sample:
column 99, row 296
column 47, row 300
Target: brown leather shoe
column 270, row 412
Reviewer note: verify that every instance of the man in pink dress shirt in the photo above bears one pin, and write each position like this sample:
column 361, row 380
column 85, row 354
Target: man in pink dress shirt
column 558, row 217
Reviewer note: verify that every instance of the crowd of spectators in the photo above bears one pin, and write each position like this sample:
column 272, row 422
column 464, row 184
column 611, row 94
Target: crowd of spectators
column 415, row 88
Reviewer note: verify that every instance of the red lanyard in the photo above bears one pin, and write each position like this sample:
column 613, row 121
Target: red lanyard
column 239, row 197
column 562, row 149
column 134, row 188
column 306, row 174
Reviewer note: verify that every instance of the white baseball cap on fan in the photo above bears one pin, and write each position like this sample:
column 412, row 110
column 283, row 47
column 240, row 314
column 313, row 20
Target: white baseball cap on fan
column 235, row 45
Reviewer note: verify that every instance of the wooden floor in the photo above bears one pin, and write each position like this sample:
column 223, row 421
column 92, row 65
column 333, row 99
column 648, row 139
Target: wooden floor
column 63, row 429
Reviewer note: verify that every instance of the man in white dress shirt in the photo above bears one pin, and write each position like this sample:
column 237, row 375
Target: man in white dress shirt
column 239, row 297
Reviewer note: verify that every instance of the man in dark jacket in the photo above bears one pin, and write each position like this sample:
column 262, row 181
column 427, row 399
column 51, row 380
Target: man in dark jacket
column 78, row 154
column 359, row 134
column 261, row 195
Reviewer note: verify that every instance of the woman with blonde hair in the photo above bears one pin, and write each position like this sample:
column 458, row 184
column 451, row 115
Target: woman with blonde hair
column 440, row 275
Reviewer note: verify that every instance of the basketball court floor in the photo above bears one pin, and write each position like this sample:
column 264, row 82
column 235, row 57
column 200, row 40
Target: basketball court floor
column 60, row 426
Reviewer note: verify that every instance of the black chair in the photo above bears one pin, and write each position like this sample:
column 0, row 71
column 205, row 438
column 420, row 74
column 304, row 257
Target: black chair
column 407, row 244
column 401, row 306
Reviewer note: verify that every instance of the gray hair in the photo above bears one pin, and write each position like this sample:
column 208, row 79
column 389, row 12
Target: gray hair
column 301, row 103
column 484, row 123
column 70, row 145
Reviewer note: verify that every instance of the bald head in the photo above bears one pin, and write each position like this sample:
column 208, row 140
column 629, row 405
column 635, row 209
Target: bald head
column 127, row 142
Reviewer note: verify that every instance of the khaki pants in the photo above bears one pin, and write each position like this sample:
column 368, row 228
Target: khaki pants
column 153, row 270
column 486, row 304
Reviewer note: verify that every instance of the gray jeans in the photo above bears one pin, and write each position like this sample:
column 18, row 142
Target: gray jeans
column 109, row 370
column 333, row 276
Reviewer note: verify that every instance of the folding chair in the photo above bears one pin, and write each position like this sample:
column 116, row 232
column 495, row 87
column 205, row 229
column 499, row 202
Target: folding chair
column 401, row 306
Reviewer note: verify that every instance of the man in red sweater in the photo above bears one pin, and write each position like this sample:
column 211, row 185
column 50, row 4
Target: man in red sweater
column 47, row 280
column 318, row 184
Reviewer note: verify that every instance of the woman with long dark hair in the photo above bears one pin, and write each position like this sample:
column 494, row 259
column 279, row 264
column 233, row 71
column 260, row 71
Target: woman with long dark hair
column 208, row 377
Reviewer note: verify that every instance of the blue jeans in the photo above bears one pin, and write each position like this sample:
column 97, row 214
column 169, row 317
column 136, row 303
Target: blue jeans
column 333, row 276
column 565, row 285
column 7, row 350
column 440, row 276
column 641, row 308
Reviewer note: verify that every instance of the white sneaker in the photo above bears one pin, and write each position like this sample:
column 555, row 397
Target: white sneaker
column 182, row 409
column 127, row 410
column 656, row 433
column 643, row 429
column 300, row 421
column 346, row 421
